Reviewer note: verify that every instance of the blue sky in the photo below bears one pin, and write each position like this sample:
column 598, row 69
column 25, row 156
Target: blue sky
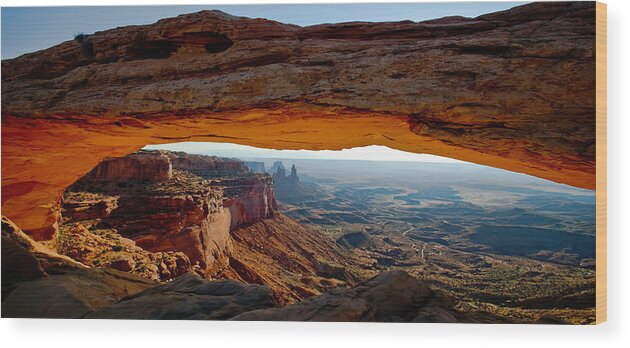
column 29, row 29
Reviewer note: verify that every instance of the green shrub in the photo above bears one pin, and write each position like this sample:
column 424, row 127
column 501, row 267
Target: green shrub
column 86, row 45
column 80, row 37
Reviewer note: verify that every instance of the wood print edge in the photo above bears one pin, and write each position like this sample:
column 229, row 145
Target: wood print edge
column 601, row 164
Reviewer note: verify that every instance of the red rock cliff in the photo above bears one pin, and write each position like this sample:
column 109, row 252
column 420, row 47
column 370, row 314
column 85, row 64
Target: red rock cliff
column 250, row 199
column 145, row 165
column 184, row 212
column 513, row 89
column 206, row 166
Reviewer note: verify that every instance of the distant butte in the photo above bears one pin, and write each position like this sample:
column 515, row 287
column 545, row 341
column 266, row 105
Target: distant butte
column 513, row 89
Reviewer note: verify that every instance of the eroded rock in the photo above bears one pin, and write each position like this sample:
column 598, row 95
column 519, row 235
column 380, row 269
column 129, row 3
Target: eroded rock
column 513, row 89
column 108, row 249
column 190, row 297
column 24, row 259
column 392, row 296
column 140, row 166
column 213, row 217
column 71, row 295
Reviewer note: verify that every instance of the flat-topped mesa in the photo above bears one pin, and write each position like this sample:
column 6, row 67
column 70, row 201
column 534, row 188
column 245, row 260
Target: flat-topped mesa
column 137, row 166
column 222, row 223
column 248, row 195
column 184, row 213
column 513, row 90
column 207, row 166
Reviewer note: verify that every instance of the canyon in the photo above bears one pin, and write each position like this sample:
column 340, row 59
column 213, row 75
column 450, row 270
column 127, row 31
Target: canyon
column 116, row 232
column 53, row 286
column 512, row 89
column 151, row 236
column 161, row 214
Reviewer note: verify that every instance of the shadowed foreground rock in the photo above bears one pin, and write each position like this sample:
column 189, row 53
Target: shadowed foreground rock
column 39, row 283
column 71, row 295
column 392, row 296
column 24, row 259
column 191, row 297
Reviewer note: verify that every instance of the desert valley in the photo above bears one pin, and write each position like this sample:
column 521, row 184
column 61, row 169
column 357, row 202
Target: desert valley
column 433, row 241
column 104, row 216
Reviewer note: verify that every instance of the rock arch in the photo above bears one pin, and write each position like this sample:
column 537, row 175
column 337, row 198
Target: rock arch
column 512, row 89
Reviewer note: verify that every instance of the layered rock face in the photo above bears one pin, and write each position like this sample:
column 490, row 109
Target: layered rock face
column 251, row 199
column 149, row 166
column 195, row 224
column 513, row 89
column 37, row 282
column 108, row 249
column 216, row 219
column 294, row 260
column 206, row 166
column 183, row 215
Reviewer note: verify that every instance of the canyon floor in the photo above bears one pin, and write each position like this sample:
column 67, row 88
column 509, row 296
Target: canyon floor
column 509, row 244
column 174, row 235
column 170, row 235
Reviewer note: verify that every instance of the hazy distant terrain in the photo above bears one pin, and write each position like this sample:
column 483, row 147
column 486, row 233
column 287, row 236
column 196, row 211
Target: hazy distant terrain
column 486, row 235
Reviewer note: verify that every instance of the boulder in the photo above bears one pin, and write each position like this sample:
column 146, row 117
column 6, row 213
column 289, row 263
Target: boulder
column 71, row 295
column 24, row 259
column 190, row 297
column 392, row 296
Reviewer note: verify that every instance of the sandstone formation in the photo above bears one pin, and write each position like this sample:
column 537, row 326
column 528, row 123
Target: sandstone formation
column 78, row 292
column 206, row 166
column 392, row 296
column 512, row 89
column 150, row 166
column 295, row 261
column 39, row 283
column 249, row 199
column 190, row 297
column 108, row 249
column 184, row 214
column 289, row 188
column 213, row 217
column 80, row 207
column 107, row 294
column 72, row 295
column 23, row 259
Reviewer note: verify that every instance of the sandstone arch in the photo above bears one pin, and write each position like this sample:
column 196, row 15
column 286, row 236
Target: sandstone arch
column 512, row 89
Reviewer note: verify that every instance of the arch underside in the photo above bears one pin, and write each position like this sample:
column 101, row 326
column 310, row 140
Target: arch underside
column 512, row 90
